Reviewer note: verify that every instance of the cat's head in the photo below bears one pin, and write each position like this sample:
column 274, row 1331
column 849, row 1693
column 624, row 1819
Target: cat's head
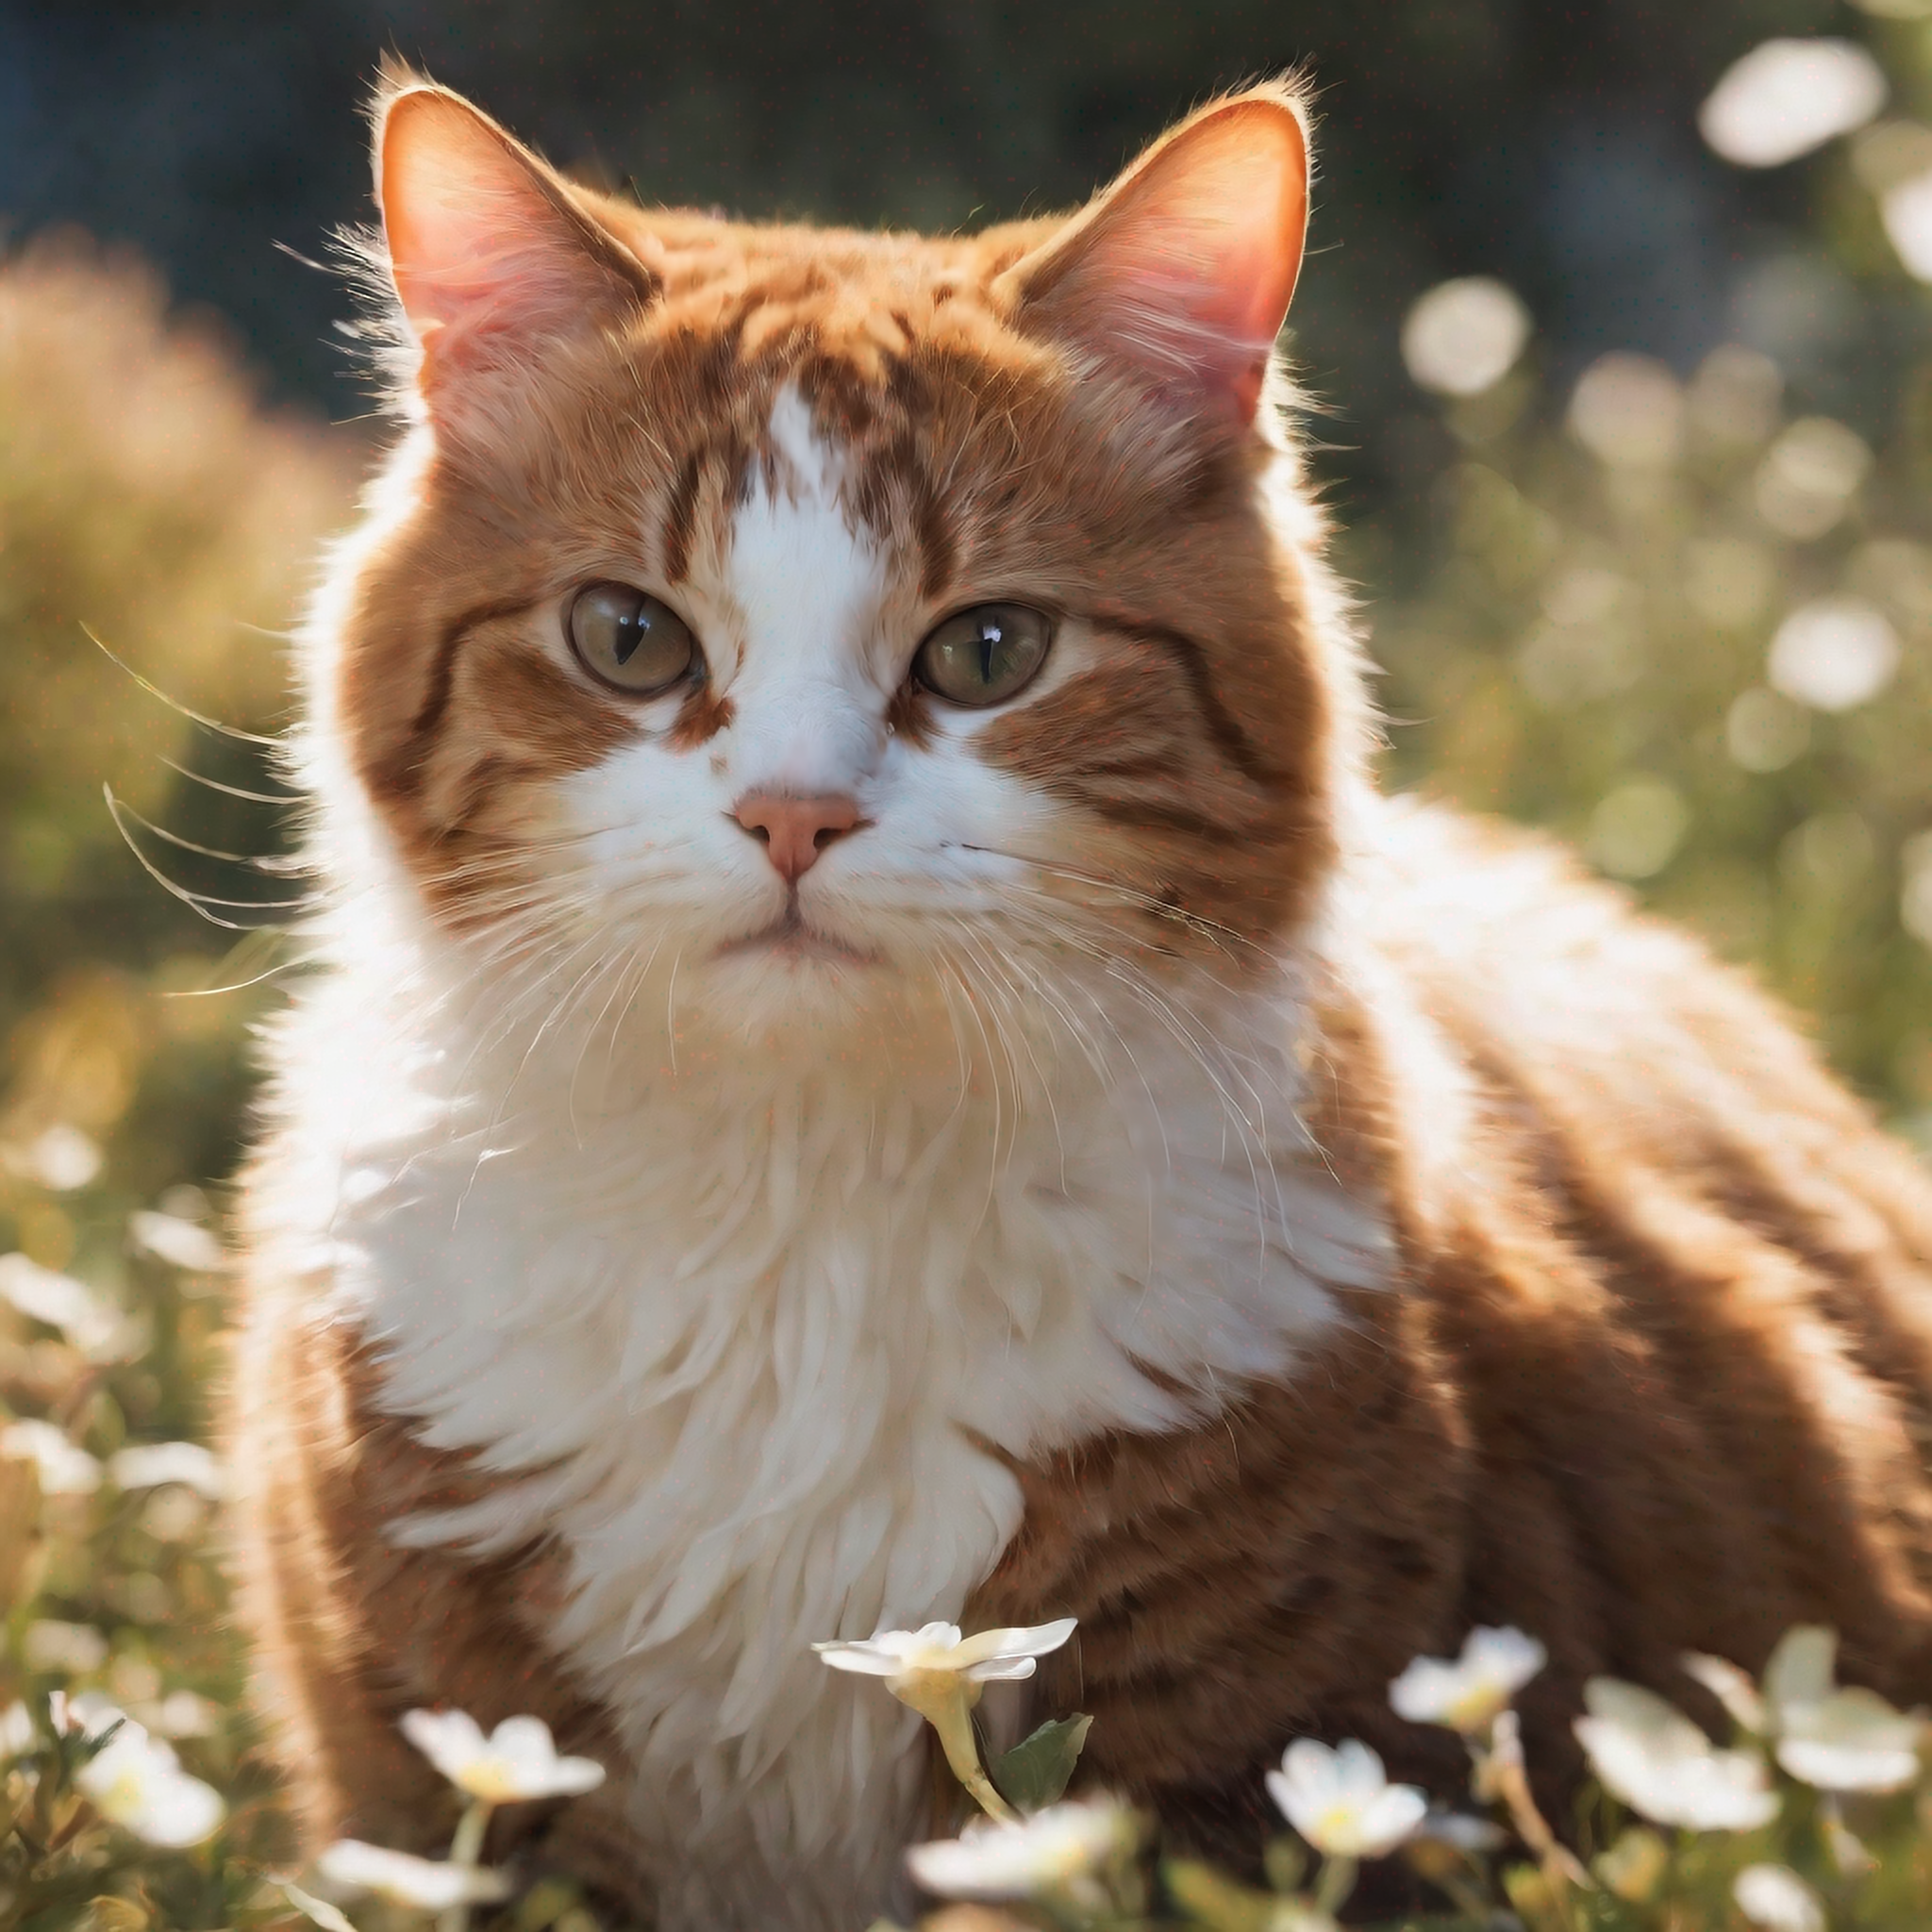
column 826, row 609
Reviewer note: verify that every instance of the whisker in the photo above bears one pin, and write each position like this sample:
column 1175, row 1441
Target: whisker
column 198, row 903
column 176, row 705
column 270, row 863
column 232, row 791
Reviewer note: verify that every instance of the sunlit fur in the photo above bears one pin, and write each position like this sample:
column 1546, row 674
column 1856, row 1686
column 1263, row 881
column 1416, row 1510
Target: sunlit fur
column 1141, row 1174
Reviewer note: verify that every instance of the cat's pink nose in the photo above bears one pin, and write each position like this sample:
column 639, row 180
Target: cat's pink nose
column 795, row 830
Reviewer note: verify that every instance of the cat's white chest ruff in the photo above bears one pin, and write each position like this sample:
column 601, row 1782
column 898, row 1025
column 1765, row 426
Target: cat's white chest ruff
column 734, row 1345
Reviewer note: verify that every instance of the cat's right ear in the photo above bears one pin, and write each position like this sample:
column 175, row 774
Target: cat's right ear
column 1181, row 273
column 490, row 254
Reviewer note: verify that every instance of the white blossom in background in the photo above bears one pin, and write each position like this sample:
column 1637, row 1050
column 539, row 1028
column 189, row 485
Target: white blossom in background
column 988, row 1656
column 65, row 1469
column 1462, row 1831
column 1742, row 1699
column 42, row 1294
column 1915, row 889
column 1628, row 411
column 430, row 1885
column 1342, row 1801
column 1464, row 337
column 1786, row 97
column 1775, row 1897
column 516, row 1761
column 178, row 1242
column 1853, row 1741
column 1833, row 653
column 1467, row 1695
column 70, row 1650
column 1906, row 208
column 1650, row 1756
column 59, row 1158
column 184, row 1714
column 1839, row 1737
column 16, row 1732
column 137, row 1781
column 1061, row 1852
column 149, row 1465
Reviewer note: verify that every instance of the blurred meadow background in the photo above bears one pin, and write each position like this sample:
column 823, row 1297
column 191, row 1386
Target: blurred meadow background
column 1618, row 330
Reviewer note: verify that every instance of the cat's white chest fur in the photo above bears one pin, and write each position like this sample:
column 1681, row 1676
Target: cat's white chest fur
column 734, row 1335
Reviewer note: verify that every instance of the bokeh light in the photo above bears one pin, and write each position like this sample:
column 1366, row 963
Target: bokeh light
column 1833, row 653
column 1787, row 98
column 1463, row 337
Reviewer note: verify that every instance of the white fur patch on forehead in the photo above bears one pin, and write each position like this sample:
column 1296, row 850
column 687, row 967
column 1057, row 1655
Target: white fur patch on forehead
column 806, row 589
column 816, row 468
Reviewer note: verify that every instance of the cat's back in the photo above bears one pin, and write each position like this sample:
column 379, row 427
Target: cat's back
column 1652, row 1375
column 1605, row 1048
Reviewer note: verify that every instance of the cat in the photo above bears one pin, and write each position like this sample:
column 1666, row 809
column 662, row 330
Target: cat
column 882, row 1059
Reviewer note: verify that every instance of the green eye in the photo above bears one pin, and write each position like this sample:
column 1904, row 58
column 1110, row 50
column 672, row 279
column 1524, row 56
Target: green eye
column 985, row 655
column 630, row 640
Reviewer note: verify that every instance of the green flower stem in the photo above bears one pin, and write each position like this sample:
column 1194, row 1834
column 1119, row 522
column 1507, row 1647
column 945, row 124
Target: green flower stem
column 466, row 1849
column 1334, row 1883
column 1501, row 1774
column 945, row 1699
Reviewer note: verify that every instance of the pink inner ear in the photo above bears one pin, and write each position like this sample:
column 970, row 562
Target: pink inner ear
column 479, row 242
column 1186, row 268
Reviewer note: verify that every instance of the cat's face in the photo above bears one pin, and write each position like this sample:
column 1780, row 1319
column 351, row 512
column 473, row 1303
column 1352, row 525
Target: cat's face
column 824, row 611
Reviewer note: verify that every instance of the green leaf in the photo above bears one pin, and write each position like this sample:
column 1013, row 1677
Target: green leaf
column 1210, row 1898
column 1036, row 1771
column 1286, row 1863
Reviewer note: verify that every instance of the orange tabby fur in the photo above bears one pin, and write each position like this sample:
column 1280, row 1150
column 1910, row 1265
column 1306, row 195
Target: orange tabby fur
column 1653, row 1372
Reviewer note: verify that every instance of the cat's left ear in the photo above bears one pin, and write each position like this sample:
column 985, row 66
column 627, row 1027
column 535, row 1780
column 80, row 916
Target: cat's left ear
column 491, row 253
column 1183, row 269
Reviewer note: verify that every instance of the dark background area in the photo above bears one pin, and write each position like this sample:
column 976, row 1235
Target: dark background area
column 1548, row 142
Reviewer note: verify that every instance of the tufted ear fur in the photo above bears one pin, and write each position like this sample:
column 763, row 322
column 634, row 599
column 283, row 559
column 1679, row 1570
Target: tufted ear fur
column 490, row 253
column 1183, row 269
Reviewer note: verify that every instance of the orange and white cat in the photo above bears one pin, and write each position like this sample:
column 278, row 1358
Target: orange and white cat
column 883, row 1059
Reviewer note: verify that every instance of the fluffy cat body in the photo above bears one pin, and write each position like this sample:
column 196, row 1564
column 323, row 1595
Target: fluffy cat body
column 1124, row 1167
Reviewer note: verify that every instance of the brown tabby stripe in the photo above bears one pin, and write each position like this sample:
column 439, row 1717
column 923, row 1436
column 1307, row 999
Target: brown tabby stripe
column 681, row 518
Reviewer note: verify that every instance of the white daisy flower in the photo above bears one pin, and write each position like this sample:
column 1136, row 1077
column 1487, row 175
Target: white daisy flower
column 430, row 1885
column 64, row 1468
column 1062, row 1851
column 901, row 1656
column 137, row 1781
column 940, row 1675
column 1342, row 1801
column 1467, row 1695
column 517, row 1760
column 1852, row 1740
column 1659, row 1762
column 1840, row 1739
column 1732, row 1687
column 1775, row 1897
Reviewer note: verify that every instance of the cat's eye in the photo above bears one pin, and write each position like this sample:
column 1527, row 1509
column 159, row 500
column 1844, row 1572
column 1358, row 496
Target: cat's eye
column 629, row 638
column 985, row 655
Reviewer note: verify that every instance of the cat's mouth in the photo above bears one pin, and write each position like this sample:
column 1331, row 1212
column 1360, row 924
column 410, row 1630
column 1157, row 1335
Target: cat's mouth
column 790, row 937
